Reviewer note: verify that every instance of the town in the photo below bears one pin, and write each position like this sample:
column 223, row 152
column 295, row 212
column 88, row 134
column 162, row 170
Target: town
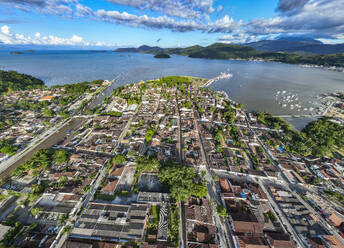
column 165, row 163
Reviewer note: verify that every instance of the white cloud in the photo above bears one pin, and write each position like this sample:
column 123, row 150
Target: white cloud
column 185, row 9
column 5, row 29
column 315, row 18
column 321, row 19
column 58, row 7
column 223, row 25
column 237, row 38
column 6, row 37
column 77, row 39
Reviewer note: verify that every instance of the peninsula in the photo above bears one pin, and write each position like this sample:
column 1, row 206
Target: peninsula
column 164, row 163
column 243, row 52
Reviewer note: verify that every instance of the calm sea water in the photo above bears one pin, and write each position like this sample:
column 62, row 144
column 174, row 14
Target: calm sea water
column 253, row 83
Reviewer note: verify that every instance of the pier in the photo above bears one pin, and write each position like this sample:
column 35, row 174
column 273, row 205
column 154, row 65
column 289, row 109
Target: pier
column 297, row 116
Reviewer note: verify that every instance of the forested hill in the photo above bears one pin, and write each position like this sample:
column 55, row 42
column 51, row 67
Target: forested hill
column 12, row 80
column 226, row 51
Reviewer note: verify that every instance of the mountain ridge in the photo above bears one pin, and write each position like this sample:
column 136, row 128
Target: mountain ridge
column 229, row 51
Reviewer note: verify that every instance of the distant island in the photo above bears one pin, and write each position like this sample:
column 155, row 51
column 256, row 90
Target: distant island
column 98, row 51
column 162, row 56
column 13, row 81
column 243, row 52
column 16, row 52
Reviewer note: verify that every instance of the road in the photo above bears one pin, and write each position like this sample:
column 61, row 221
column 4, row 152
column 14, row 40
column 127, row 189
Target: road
column 61, row 237
column 224, row 230
column 49, row 138
column 45, row 140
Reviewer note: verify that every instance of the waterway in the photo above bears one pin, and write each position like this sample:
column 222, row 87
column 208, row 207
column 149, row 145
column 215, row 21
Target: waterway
column 254, row 84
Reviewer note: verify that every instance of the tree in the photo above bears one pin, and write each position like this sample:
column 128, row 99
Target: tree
column 119, row 159
column 48, row 112
column 181, row 181
column 62, row 181
column 150, row 132
column 7, row 147
column 61, row 156
column 35, row 211
column 222, row 211
column 62, row 220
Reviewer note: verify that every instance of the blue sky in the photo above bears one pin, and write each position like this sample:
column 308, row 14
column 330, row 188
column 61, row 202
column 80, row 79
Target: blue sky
column 112, row 23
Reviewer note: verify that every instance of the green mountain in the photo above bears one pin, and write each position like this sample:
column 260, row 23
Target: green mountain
column 12, row 80
column 301, row 45
column 227, row 51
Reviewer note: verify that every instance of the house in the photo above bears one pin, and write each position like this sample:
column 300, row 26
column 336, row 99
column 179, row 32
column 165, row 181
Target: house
column 46, row 98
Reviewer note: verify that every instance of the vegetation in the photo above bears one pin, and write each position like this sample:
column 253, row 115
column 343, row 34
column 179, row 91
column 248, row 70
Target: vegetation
column 150, row 132
column 103, row 197
column 318, row 137
column 9, row 237
column 172, row 81
column 35, row 211
column 154, row 213
column 270, row 216
column 228, row 51
column 294, row 141
column 7, row 147
column 78, row 89
column 13, row 81
column 119, row 159
column 41, row 160
column 335, row 195
column 162, row 56
column 325, row 136
column 221, row 211
column 113, row 113
column 182, row 181
column 61, row 156
column 48, row 112
column 145, row 164
column 173, row 229
column 67, row 229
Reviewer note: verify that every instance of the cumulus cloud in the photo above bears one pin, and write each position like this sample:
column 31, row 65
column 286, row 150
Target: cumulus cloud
column 5, row 29
column 321, row 19
column 237, row 38
column 286, row 6
column 59, row 7
column 184, row 9
column 7, row 37
column 316, row 18
column 223, row 25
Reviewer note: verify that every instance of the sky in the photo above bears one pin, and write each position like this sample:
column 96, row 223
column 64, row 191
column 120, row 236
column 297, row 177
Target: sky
column 166, row 23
